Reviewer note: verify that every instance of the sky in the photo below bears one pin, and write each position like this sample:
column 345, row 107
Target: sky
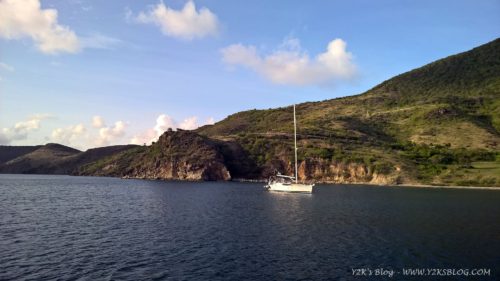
column 95, row 73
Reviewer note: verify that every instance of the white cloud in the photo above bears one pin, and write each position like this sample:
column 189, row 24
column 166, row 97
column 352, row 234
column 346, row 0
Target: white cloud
column 26, row 19
column 145, row 137
column 6, row 67
column 290, row 65
column 187, row 23
column 21, row 129
column 19, row 19
column 190, row 123
column 165, row 122
column 96, row 134
column 70, row 135
column 111, row 134
column 98, row 122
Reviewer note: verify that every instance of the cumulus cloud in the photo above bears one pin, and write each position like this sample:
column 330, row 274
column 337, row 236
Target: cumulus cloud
column 290, row 65
column 111, row 134
column 190, row 123
column 187, row 23
column 21, row 129
column 165, row 122
column 70, row 135
column 97, row 134
column 145, row 137
column 20, row 19
column 98, row 122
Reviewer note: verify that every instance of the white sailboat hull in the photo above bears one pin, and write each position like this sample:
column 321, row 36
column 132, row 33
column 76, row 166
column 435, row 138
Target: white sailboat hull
column 293, row 187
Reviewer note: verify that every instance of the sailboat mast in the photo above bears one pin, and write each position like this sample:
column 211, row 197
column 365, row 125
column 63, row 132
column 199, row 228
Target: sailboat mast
column 295, row 142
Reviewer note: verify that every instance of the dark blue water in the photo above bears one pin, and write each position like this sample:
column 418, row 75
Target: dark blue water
column 84, row 228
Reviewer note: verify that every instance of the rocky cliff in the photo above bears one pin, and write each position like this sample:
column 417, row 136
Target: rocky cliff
column 177, row 155
column 340, row 172
column 330, row 171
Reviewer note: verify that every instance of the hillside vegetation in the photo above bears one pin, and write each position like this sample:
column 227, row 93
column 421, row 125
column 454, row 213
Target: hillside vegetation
column 438, row 124
column 177, row 155
column 431, row 124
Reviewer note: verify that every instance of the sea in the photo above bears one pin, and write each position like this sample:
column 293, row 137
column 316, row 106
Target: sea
column 96, row 228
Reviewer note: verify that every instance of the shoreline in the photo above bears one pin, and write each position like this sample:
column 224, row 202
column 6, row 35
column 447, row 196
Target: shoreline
column 318, row 183
column 449, row 186
column 389, row 185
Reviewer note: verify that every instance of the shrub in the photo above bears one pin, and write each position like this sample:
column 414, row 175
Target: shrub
column 383, row 168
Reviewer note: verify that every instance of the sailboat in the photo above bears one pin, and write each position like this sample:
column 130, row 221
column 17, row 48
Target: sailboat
column 285, row 183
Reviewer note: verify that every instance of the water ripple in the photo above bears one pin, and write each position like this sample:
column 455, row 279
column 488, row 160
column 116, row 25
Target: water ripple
column 84, row 228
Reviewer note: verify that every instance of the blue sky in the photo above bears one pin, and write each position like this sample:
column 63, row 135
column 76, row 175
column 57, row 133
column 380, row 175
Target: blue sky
column 113, row 72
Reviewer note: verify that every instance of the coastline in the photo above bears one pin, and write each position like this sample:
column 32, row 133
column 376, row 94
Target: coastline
column 351, row 183
column 409, row 185
column 389, row 185
column 325, row 183
column 449, row 186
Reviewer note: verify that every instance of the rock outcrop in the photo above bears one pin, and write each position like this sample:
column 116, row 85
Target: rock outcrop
column 327, row 171
column 177, row 155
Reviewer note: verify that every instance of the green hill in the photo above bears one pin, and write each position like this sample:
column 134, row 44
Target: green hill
column 430, row 124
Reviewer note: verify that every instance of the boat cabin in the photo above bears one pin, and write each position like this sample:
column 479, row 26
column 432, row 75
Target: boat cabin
column 279, row 178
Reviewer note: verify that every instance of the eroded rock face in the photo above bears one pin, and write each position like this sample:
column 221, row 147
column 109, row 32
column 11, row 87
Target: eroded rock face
column 212, row 171
column 177, row 155
column 186, row 155
column 319, row 170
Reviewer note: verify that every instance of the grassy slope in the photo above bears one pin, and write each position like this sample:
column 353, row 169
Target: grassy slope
column 444, row 108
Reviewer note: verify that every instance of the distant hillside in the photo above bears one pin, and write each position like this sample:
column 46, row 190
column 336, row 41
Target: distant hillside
column 10, row 152
column 42, row 160
column 54, row 158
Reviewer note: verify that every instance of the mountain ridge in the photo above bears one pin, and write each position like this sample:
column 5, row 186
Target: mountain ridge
column 54, row 158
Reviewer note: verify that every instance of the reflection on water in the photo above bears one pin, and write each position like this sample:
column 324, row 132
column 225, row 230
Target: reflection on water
column 103, row 228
